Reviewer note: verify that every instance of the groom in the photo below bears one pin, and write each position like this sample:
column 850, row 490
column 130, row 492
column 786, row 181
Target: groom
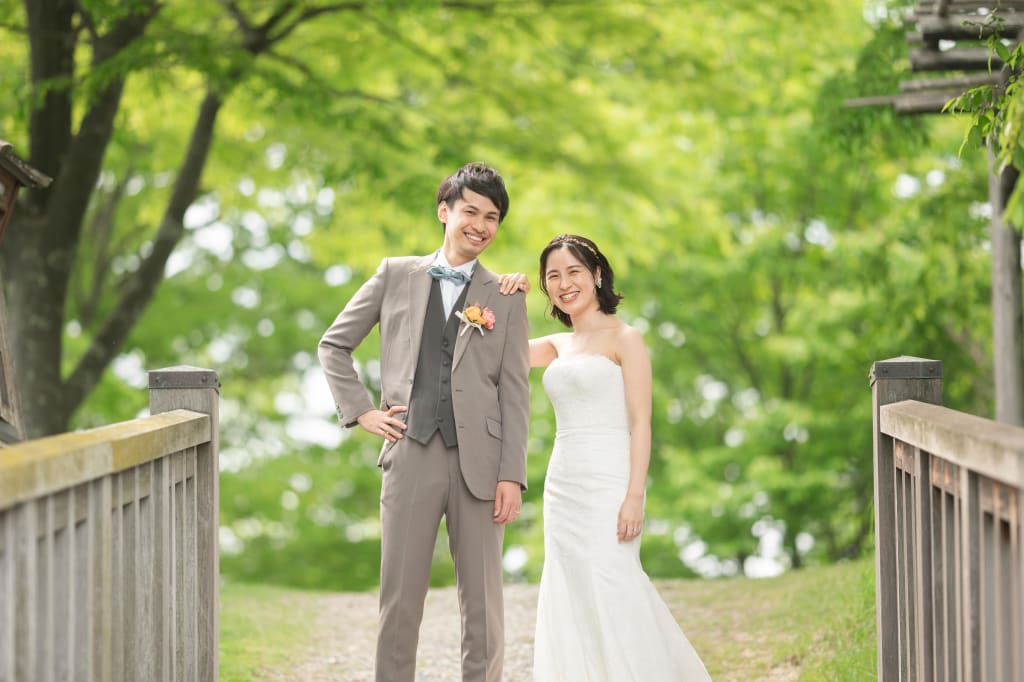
column 453, row 415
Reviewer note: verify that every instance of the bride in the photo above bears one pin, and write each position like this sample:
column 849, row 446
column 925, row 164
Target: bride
column 599, row 618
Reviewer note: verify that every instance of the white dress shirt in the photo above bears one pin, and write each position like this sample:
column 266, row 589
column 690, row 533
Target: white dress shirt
column 450, row 291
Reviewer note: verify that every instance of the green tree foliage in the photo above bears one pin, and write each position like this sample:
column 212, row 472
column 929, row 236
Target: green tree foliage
column 996, row 112
column 752, row 225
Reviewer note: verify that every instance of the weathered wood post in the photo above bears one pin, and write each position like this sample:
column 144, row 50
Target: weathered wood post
column 893, row 380
column 1007, row 301
column 14, row 174
column 197, row 389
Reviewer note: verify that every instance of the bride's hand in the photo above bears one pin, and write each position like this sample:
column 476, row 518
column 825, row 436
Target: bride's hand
column 631, row 518
column 510, row 283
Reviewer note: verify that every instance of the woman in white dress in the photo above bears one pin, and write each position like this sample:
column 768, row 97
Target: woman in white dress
column 599, row 618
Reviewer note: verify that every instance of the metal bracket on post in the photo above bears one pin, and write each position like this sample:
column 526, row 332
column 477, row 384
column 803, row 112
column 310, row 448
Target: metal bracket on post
column 184, row 388
column 905, row 367
column 183, row 376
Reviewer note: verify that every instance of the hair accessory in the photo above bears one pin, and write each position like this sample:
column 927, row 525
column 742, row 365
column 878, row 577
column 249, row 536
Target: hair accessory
column 569, row 239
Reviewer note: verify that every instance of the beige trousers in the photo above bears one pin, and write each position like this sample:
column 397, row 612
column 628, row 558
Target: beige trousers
column 423, row 484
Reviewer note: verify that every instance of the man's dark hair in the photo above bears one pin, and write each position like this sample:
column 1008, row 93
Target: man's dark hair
column 477, row 177
column 586, row 252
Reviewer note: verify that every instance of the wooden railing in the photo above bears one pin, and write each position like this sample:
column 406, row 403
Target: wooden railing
column 108, row 545
column 948, row 533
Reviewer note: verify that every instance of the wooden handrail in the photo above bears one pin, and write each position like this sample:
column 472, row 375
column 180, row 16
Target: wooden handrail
column 38, row 467
column 989, row 448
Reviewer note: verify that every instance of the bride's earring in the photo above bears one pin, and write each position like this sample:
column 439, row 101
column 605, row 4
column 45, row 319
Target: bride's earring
column 597, row 281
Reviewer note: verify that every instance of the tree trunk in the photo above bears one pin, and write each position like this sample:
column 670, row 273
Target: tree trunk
column 35, row 320
column 1007, row 305
column 35, row 310
column 41, row 246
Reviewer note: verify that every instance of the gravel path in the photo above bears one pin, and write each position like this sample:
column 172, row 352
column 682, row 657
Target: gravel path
column 346, row 627
column 716, row 615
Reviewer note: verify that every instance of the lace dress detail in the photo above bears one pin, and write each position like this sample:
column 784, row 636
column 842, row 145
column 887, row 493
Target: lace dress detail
column 599, row 618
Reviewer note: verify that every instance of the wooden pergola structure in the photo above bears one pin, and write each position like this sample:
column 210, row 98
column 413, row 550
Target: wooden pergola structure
column 14, row 174
column 949, row 48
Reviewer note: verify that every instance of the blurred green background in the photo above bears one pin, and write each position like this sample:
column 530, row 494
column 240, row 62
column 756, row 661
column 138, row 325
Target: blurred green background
column 770, row 242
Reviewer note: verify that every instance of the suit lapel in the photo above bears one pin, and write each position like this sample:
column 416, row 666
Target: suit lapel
column 418, row 290
column 480, row 289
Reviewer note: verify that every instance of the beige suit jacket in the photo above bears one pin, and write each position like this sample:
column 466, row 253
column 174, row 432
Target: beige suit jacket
column 490, row 372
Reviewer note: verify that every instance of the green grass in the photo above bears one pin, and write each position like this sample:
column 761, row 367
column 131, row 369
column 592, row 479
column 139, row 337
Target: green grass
column 262, row 627
column 848, row 650
column 813, row 624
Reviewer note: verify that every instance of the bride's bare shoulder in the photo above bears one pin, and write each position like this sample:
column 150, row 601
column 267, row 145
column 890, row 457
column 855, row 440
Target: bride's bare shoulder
column 629, row 343
column 630, row 334
column 544, row 349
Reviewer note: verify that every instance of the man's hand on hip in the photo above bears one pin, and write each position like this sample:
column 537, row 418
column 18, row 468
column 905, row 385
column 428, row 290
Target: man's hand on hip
column 384, row 424
column 508, row 501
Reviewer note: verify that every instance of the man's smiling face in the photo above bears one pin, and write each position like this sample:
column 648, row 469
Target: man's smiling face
column 470, row 225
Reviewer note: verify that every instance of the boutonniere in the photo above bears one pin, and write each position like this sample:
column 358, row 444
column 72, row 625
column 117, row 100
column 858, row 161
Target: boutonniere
column 473, row 316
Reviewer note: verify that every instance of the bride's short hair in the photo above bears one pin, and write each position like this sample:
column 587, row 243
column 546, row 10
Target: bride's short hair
column 586, row 252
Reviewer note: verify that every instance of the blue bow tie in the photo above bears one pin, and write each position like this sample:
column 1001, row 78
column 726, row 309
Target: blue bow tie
column 445, row 272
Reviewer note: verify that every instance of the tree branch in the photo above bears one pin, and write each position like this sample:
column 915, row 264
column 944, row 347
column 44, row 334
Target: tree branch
column 330, row 8
column 779, row 313
column 87, row 22
column 322, row 86
column 14, row 28
column 99, row 230
column 139, row 288
column 807, row 384
column 83, row 161
column 745, row 362
column 312, row 13
column 497, row 94
column 237, row 14
column 279, row 14
column 51, row 53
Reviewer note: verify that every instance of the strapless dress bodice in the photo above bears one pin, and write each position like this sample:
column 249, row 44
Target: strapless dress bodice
column 587, row 392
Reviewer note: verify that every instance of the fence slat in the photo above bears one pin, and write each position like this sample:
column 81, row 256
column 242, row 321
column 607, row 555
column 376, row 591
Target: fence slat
column 64, row 514
column 8, row 612
column 47, row 606
column 102, row 582
column 25, row 592
column 971, row 593
column 133, row 588
column 923, row 569
column 189, row 641
column 117, row 577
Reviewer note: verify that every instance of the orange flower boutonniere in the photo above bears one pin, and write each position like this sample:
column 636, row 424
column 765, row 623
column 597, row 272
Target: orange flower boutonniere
column 473, row 316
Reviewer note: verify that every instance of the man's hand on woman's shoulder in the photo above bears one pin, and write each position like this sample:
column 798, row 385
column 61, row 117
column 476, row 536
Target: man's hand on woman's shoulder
column 510, row 283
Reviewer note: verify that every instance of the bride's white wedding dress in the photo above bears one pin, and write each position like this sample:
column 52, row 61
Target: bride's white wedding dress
column 599, row 618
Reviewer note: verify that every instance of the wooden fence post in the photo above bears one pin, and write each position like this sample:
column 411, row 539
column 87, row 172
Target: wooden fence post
column 198, row 390
column 893, row 380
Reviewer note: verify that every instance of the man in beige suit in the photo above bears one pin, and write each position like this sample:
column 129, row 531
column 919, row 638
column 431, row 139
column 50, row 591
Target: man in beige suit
column 453, row 415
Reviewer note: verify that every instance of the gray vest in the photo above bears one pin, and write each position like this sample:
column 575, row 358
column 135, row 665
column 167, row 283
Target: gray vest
column 430, row 405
